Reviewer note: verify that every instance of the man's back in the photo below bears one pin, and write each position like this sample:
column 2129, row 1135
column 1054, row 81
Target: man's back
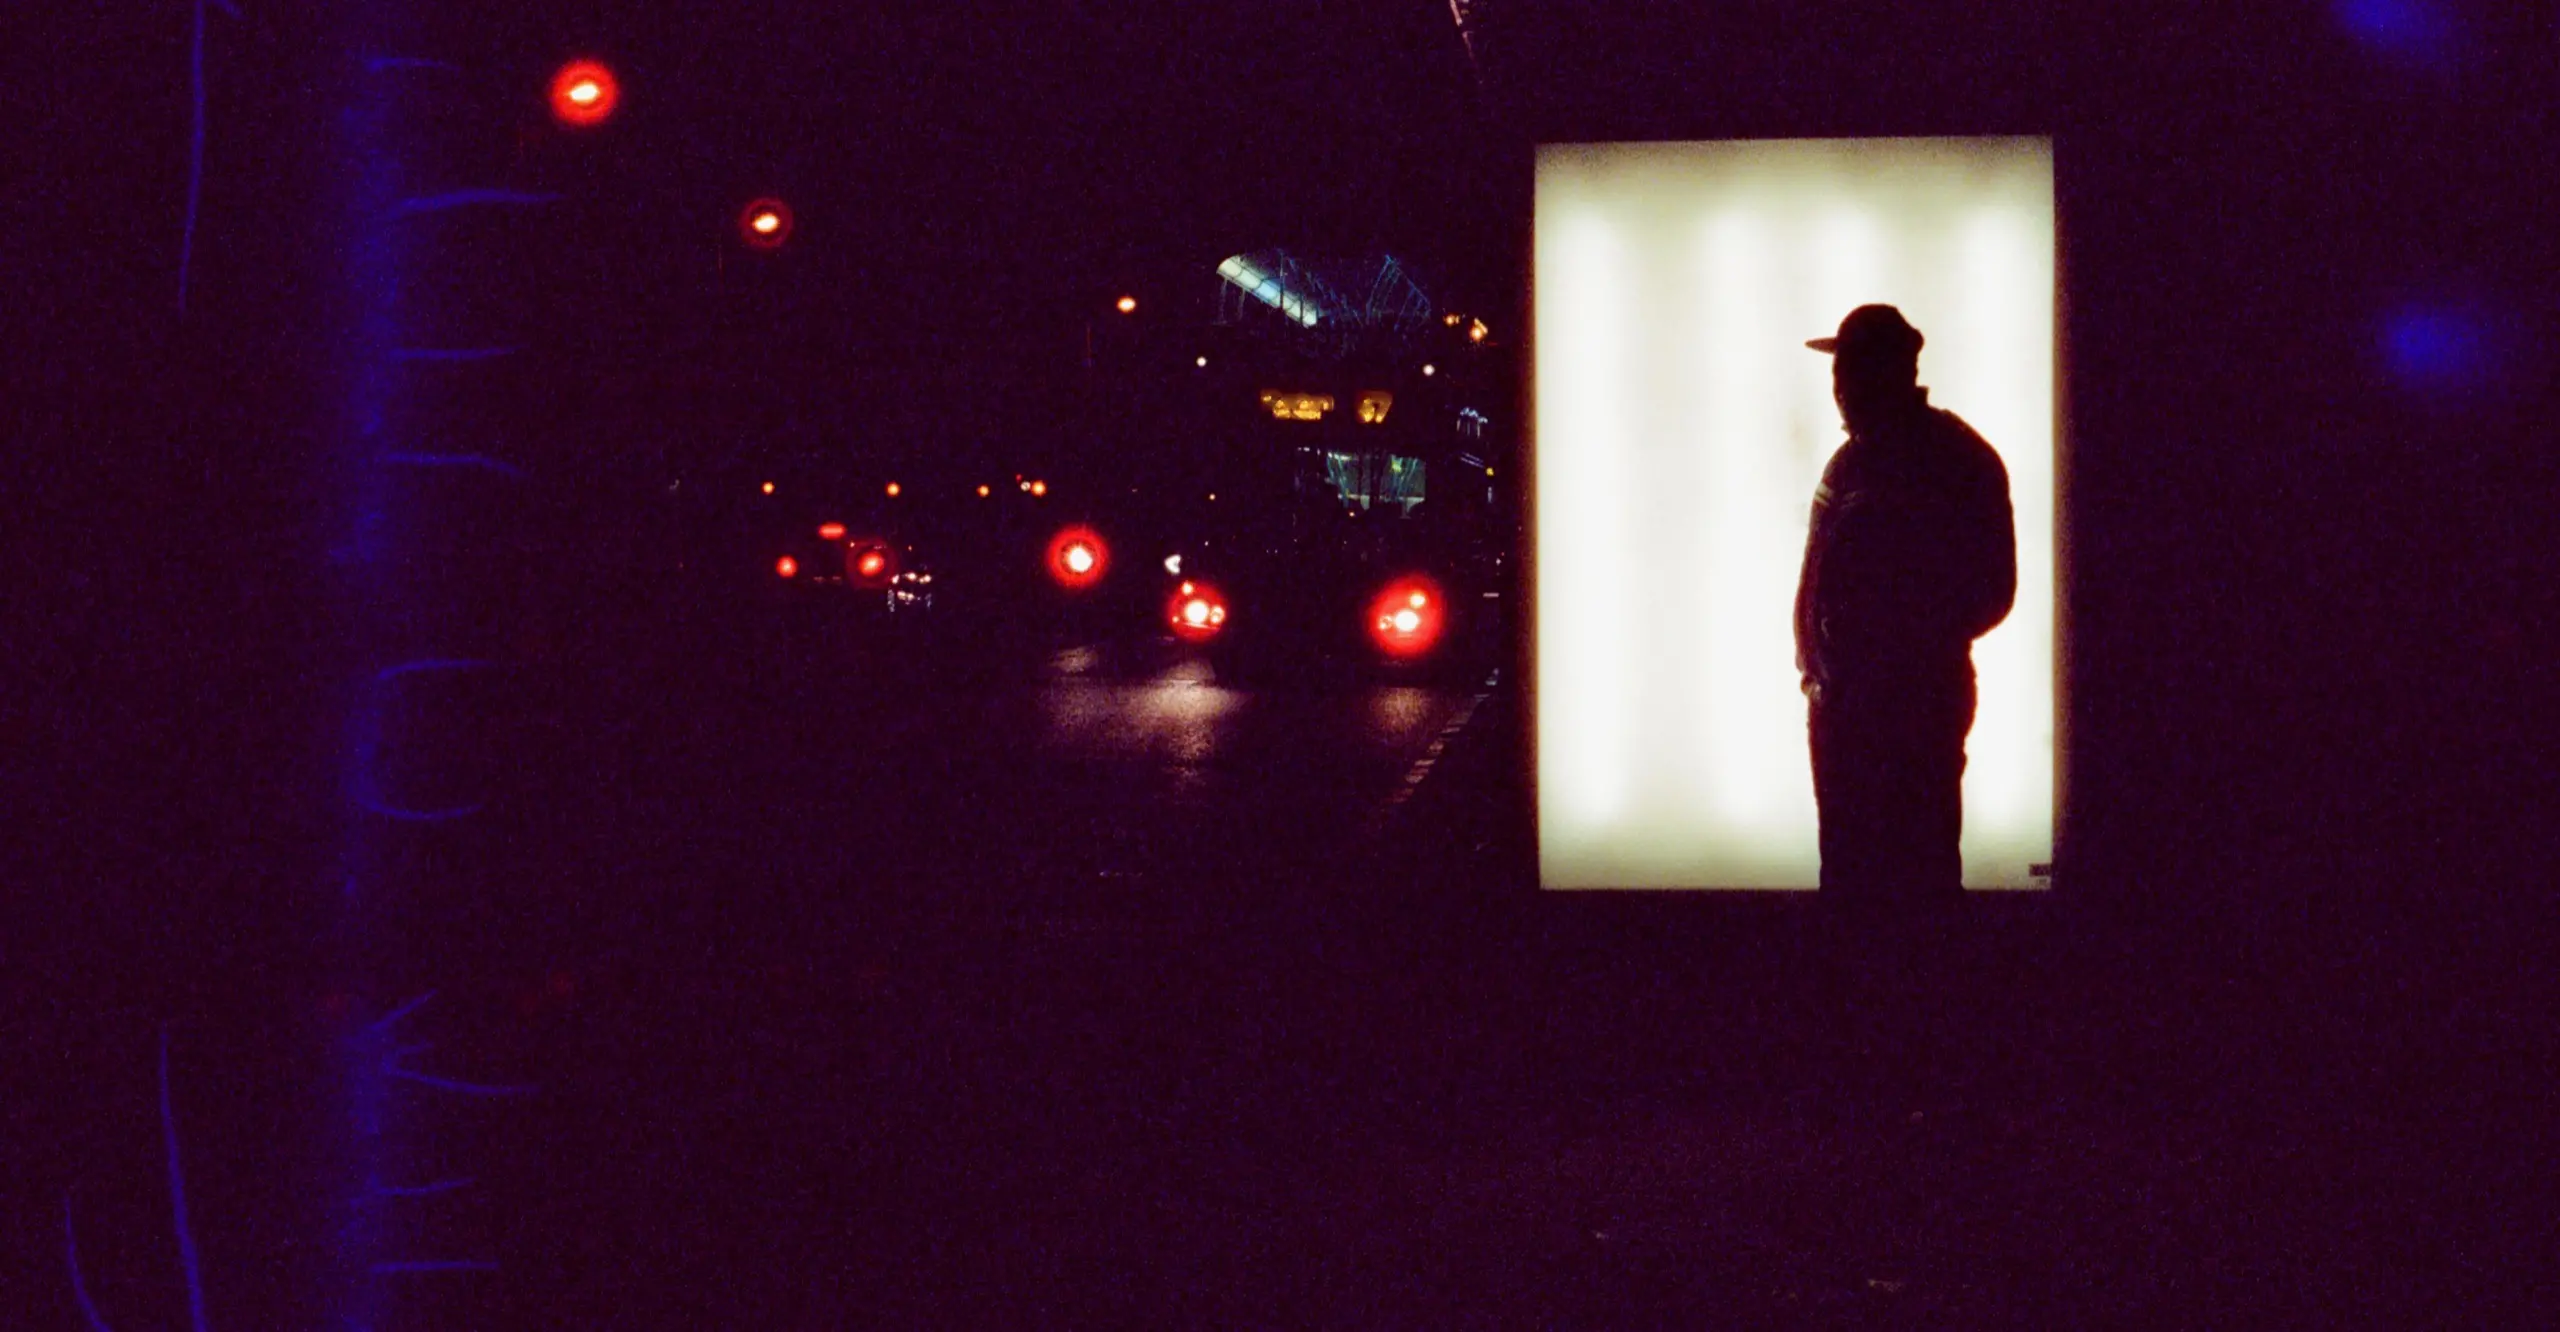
column 1912, row 554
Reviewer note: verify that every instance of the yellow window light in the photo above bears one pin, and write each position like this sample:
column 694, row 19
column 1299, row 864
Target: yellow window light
column 1296, row 406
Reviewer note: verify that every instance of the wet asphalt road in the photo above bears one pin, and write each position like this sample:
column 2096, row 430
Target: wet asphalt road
column 828, row 783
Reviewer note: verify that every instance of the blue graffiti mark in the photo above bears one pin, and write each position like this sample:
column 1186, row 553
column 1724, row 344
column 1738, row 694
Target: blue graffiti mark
column 386, row 64
column 387, row 1062
column 187, row 1256
column 195, row 146
column 506, row 469
column 452, row 353
column 389, row 673
column 406, row 814
column 450, row 200
column 461, row 1088
column 195, row 155
column 392, row 1019
column 395, row 1269
column 79, row 1288
column 420, row 1190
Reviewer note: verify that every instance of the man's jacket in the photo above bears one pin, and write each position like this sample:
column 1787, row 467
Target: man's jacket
column 1912, row 553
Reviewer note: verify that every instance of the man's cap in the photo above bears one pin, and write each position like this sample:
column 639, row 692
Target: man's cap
column 1872, row 329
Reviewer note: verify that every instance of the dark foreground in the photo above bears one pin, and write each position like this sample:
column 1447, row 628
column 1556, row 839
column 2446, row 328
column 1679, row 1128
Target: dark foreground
column 1076, row 989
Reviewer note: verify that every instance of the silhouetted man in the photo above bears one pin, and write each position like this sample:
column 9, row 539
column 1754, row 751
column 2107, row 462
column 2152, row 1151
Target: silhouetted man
column 1912, row 555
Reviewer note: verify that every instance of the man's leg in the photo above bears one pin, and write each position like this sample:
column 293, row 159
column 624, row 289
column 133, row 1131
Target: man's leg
column 1927, row 799
column 1852, row 797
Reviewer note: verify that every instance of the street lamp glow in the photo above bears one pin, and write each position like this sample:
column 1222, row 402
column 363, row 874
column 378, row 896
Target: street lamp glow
column 765, row 224
column 1039, row 488
column 584, row 94
column 1430, row 369
column 1127, row 304
column 768, row 487
column 892, row 488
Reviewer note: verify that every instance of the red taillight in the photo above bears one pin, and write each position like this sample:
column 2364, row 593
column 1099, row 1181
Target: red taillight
column 1406, row 617
column 870, row 562
column 787, row 567
column 1196, row 612
column 1077, row 557
column 831, row 531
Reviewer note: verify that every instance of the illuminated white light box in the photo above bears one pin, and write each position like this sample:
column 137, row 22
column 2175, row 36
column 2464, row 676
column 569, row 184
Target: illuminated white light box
column 1680, row 429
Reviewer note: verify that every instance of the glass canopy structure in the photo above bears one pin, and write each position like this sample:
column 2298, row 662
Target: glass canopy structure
column 1324, row 305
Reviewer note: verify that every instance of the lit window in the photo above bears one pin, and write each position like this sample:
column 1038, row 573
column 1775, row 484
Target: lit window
column 1297, row 406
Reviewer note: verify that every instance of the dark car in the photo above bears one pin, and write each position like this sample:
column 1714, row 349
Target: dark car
column 1294, row 585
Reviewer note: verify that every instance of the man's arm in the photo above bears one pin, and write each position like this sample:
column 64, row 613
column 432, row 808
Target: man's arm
column 1995, row 529
column 1808, row 616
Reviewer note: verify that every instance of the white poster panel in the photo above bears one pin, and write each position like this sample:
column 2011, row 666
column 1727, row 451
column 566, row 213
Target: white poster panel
column 1681, row 426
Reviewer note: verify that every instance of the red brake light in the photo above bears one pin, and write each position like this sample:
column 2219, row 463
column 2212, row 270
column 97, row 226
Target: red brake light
column 787, row 567
column 1196, row 612
column 831, row 531
column 1406, row 617
column 1078, row 557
